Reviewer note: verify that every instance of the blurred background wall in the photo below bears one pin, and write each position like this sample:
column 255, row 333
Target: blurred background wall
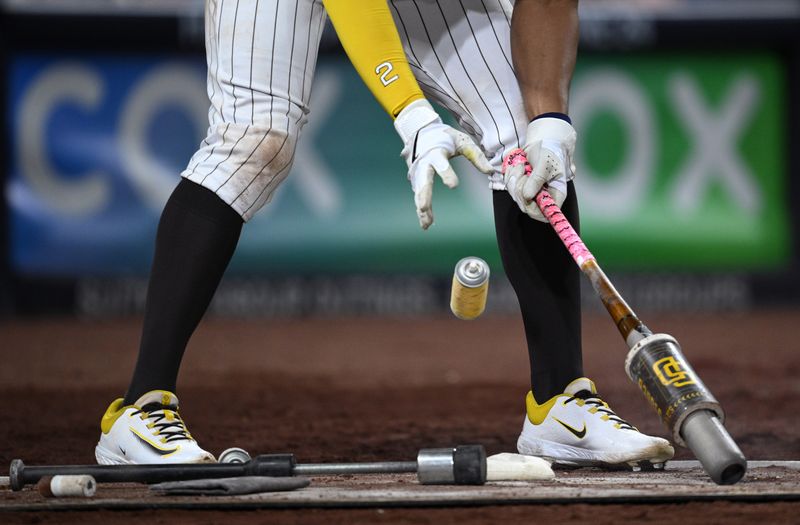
column 688, row 166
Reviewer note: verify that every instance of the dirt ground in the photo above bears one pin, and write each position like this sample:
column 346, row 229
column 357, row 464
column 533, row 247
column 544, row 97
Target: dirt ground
column 356, row 389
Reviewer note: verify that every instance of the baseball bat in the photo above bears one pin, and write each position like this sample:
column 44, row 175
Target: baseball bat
column 655, row 361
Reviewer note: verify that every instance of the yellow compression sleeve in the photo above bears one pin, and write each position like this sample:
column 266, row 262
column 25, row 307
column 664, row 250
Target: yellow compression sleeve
column 368, row 34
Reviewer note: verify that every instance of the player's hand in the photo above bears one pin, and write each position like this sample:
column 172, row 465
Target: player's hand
column 429, row 145
column 549, row 147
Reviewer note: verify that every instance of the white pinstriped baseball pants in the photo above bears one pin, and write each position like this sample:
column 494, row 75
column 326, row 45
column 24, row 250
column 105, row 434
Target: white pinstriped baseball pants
column 261, row 57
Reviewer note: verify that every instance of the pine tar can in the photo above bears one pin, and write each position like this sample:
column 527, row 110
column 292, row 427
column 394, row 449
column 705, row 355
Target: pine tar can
column 234, row 455
column 470, row 288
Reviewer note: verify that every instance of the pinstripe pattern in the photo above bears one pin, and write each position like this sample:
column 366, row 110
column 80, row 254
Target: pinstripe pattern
column 261, row 57
column 466, row 72
column 460, row 52
column 506, row 48
column 489, row 67
column 253, row 186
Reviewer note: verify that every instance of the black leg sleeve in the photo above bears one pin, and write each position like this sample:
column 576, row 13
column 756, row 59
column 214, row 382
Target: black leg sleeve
column 547, row 283
column 196, row 238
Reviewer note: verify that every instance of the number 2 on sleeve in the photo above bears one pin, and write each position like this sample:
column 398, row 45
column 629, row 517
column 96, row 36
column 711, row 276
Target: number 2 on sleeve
column 383, row 70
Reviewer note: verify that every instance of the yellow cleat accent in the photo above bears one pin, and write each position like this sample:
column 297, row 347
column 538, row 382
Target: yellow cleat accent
column 113, row 412
column 536, row 412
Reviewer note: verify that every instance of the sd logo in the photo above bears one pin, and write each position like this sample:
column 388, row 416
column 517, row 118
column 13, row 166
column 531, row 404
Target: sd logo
column 670, row 372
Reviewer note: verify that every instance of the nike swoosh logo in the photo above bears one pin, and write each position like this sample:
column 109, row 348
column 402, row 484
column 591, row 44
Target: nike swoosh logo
column 577, row 433
column 158, row 450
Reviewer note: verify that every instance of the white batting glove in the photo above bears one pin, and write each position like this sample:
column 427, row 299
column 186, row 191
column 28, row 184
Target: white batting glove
column 549, row 146
column 429, row 146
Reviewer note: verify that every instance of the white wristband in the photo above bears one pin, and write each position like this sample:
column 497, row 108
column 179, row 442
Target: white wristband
column 551, row 128
column 414, row 117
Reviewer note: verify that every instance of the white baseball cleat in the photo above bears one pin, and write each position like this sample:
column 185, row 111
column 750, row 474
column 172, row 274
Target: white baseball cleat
column 147, row 432
column 577, row 428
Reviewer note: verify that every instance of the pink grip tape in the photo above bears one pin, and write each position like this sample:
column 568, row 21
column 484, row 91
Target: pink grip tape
column 552, row 212
column 563, row 228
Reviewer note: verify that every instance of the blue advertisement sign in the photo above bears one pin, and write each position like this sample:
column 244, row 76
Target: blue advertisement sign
column 98, row 144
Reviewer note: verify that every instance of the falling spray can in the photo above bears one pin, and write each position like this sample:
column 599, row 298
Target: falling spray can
column 470, row 288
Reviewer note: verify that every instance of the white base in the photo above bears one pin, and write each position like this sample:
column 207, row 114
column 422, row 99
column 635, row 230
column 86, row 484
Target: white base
column 516, row 467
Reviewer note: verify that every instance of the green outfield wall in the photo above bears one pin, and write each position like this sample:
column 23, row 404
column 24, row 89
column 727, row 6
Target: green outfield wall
column 681, row 165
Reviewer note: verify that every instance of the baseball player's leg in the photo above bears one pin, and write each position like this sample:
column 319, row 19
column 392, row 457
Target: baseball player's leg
column 197, row 235
column 547, row 284
column 460, row 52
column 261, row 58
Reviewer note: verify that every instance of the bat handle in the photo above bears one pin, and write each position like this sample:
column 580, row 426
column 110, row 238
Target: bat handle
column 552, row 212
column 630, row 327
column 567, row 234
